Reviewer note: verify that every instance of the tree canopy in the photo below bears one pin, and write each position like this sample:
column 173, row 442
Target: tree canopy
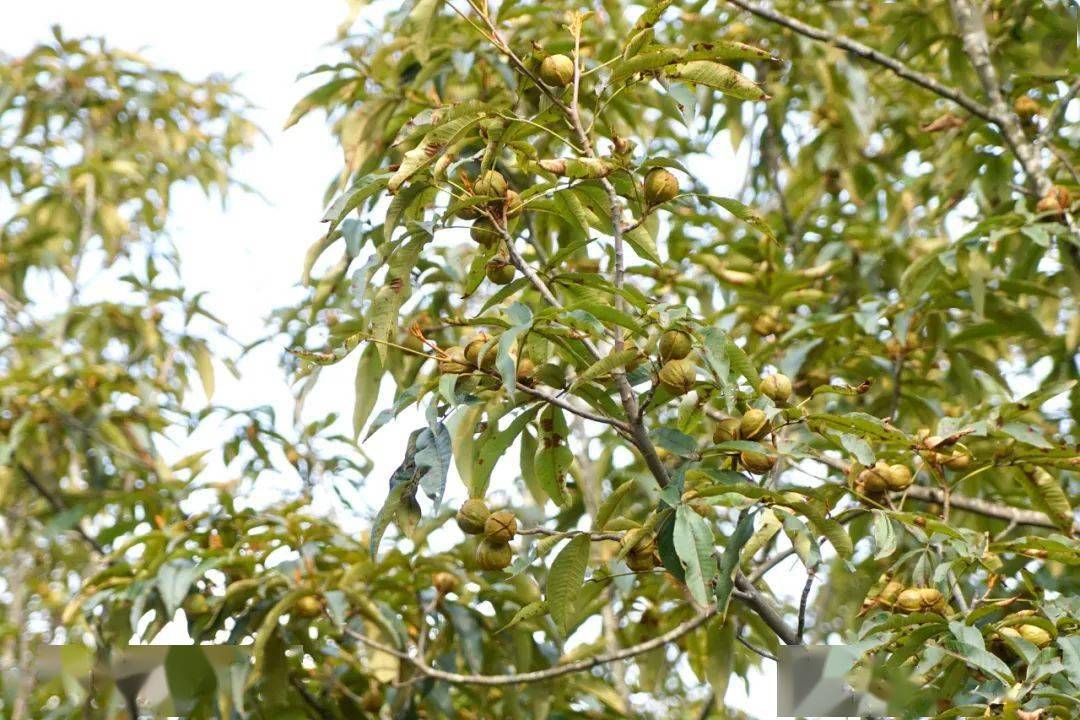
column 739, row 325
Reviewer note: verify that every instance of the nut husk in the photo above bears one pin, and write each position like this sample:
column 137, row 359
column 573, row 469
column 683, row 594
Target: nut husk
column 500, row 272
column 675, row 345
column 660, row 186
column 491, row 182
column 1035, row 635
column 525, row 371
column 776, row 387
column 726, row 429
column 641, row 561
column 500, row 527
column 678, row 376
column 454, row 361
column 757, row 463
column 514, row 204
column 309, row 606
column 898, row 477
column 909, row 600
column 754, row 424
column 557, row 70
column 474, row 348
column 492, row 555
column 484, row 232
column 444, row 582
column 472, row 515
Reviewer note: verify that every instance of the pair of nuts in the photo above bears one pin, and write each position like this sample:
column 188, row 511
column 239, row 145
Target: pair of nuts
column 883, row 477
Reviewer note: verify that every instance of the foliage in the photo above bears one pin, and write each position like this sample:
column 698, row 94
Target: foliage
column 903, row 251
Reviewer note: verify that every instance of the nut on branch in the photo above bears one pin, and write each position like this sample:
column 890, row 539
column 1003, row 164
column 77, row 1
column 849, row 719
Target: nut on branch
column 557, row 70
column 660, row 186
column 472, row 515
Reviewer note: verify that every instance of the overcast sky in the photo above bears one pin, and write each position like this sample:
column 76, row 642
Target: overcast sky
column 248, row 255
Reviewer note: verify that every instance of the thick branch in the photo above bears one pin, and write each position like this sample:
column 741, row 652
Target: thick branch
column 987, row 508
column 969, row 21
column 868, row 53
column 540, row 675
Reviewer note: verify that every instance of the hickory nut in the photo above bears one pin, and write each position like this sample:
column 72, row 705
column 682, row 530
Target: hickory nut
column 557, row 70
column 472, row 515
column 678, row 376
column 660, row 186
column 492, row 555
column 776, row 387
column 675, row 345
column 754, row 424
column 500, row 527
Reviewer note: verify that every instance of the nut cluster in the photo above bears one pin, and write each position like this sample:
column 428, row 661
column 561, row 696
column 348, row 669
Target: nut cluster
column 497, row 529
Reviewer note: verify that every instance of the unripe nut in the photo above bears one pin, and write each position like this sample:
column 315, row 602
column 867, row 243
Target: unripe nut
column 492, row 555
column 491, row 182
column 484, row 232
column 557, row 70
column 500, row 272
column 444, row 582
column 726, row 429
column 473, row 349
column 500, row 527
column 757, row 463
column 898, row 477
column 678, row 376
column 660, row 186
column 909, row 600
column 776, row 387
column 675, row 345
column 454, row 361
column 1035, row 635
column 754, row 424
column 472, row 515
column 309, row 606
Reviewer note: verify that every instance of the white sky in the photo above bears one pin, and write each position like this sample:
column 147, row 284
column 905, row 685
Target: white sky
column 248, row 256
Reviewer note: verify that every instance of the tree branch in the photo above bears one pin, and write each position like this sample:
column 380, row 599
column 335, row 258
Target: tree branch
column 988, row 508
column 969, row 22
column 868, row 53
column 58, row 505
column 539, row 675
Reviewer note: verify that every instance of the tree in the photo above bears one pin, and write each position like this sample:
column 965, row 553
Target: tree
column 862, row 362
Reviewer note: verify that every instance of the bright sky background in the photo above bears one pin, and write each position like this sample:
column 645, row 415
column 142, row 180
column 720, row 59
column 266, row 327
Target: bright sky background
column 248, row 255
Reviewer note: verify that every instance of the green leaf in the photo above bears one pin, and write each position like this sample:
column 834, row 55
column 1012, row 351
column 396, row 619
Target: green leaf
column 1047, row 492
column 695, row 547
column 884, row 535
column 460, row 120
column 973, row 648
column 190, row 676
column 564, row 580
column 644, row 243
column 744, row 213
column 654, row 58
column 919, row 275
column 494, row 448
column 611, row 504
column 716, row 76
column 550, row 466
column 205, row 365
column 533, row 609
column 729, row 561
column 605, row 365
column 369, row 371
